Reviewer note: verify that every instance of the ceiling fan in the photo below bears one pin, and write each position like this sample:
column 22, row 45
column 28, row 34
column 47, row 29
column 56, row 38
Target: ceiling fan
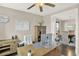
column 40, row 5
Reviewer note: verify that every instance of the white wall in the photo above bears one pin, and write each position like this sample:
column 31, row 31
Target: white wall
column 9, row 29
column 2, row 30
column 77, row 32
column 47, row 23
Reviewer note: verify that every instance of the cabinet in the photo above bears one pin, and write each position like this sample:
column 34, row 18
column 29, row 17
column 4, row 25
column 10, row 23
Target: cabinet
column 7, row 47
column 38, row 31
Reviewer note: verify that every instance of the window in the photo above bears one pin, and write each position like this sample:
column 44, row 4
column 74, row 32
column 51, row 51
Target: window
column 57, row 26
column 69, row 26
column 22, row 25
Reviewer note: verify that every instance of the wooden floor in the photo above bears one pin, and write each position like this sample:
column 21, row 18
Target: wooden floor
column 62, row 50
column 54, row 52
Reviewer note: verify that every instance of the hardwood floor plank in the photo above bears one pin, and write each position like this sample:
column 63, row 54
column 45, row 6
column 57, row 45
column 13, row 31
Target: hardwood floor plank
column 62, row 50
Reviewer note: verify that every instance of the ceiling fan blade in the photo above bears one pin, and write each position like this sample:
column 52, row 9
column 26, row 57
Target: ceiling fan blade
column 31, row 6
column 41, row 8
column 49, row 4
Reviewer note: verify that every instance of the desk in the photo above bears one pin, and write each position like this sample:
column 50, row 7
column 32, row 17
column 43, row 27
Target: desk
column 7, row 47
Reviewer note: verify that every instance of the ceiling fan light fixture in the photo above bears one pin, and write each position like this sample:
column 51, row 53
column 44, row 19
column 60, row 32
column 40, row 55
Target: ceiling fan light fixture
column 41, row 4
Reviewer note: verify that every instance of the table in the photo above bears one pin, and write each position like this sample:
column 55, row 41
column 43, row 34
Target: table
column 22, row 51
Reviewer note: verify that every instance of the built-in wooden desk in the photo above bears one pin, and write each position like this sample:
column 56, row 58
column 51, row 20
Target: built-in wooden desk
column 7, row 47
column 22, row 51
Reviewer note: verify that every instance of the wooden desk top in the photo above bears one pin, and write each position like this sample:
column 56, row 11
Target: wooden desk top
column 22, row 51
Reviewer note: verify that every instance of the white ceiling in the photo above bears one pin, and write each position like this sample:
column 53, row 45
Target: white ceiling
column 66, row 15
column 35, row 10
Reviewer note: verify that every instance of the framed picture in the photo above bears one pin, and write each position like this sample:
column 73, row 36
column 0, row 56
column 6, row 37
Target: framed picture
column 4, row 19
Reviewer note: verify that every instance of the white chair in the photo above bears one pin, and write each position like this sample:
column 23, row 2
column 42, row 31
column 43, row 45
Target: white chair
column 27, row 40
column 21, row 43
column 46, row 40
